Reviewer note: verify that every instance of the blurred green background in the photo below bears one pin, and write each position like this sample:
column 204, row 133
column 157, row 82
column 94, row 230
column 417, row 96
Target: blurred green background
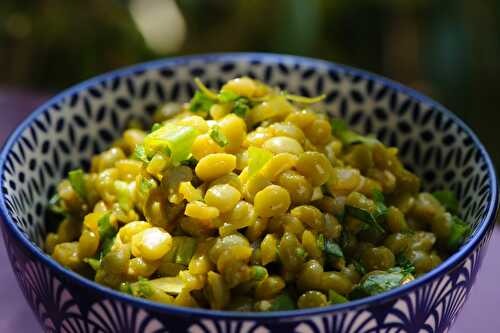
column 449, row 49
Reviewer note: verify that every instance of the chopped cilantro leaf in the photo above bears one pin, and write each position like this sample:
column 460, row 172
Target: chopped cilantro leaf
column 200, row 103
column 448, row 200
column 404, row 263
column 364, row 216
column 333, row 249
column 283, row 302
column 459, row 232
column 241, row 107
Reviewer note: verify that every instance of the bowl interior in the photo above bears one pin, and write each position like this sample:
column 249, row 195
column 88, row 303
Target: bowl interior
column 64, row 133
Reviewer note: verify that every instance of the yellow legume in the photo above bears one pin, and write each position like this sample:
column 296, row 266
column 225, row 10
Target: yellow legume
column 223, row 197
column 273, row 200
column 214, row 166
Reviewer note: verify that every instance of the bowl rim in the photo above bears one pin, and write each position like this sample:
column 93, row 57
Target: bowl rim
column 273, row 58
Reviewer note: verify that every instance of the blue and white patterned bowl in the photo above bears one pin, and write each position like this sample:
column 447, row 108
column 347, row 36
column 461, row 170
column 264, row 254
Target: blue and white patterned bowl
column 65, row 132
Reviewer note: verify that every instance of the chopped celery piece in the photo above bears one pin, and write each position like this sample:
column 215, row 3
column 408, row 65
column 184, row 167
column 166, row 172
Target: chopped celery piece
column 77, row 181
column 336, row 298
column 178, row 139
column 185, row 250
column 257, row 158
column 170, row 285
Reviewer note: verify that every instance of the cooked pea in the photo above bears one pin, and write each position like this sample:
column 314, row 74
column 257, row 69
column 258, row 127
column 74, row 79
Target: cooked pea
column 273, row 200
column 151, row 244
column 269, row 287
column 88, row 244
column 310, row 275
column 378, row 258
column 312, row 299
column 309, row 215
column 132, row 228
column 268, row 249
column 200, row 210
column 298, row 186
column 283, row 144
column 235, row 130
column 315, row 167
column 319, row 132
column 229, row 179
column 214, row 166
column 223, row 197
column 289, row 130
column 344, row 180
column 276, row 165
column 397, row 242
column 310, row 244
column 336, row 281
column 291, row 252
column 256, row 229
column 396, row 220
column 67, row 255
column 110, row 157
column 204, row 145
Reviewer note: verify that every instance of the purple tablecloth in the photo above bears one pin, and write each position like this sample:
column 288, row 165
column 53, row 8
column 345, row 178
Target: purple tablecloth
column 479, row 315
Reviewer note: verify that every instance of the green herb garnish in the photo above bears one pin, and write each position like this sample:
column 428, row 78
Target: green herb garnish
column 377, row 283
column 200, row 103
column 364, row 216
column 227, row 96
column 283, row 302
column 459, row 232
column 218, row 136
column 448, row 200
column 241, row 107
column 348, row 137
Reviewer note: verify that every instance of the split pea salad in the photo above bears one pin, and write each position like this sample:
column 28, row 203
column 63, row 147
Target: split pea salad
column 246, row 199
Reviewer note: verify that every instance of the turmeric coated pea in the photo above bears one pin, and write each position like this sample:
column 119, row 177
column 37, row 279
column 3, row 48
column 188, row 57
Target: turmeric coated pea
column 273, row 200
column 247, row 198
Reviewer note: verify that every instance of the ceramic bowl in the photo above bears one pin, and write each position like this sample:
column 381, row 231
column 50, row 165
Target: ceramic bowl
column 64, row 133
